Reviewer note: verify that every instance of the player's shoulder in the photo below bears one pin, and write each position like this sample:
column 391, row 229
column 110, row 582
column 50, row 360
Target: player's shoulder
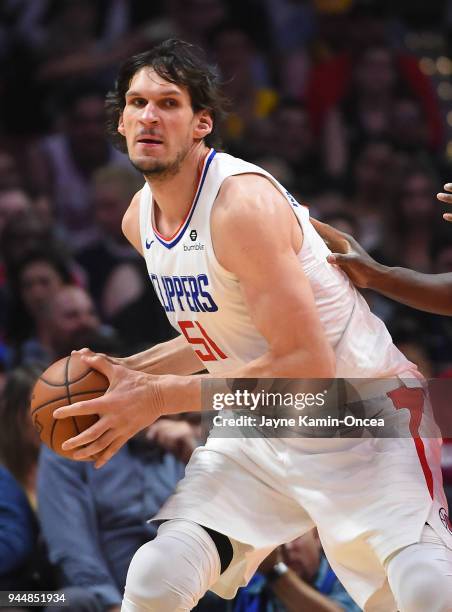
column 131, row 221
column 247, row 193
column 133, row 208
column 245, row 185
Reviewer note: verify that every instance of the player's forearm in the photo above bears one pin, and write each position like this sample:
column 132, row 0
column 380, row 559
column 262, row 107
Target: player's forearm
column 298, row 595
column 175, row 356
column 183, row 393
column 429, row 292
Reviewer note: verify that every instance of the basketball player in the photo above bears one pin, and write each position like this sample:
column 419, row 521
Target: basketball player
column 243, row 276
column 429, row 292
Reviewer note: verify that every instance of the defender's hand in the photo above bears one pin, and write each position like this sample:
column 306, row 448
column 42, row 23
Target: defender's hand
column 132, row 402
column 347, row 254
column 447, row 199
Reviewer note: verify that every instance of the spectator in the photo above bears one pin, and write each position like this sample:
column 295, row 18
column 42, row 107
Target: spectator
column 366, row 83
column 114, row 269
column 94, row 521
column 12, row 202
column 193, row 20
column 414, row 219
column 23, row 233
column 19, row 441
column 9, row 172
column 250, row 97
column 71, row 323
column 36, row 279
column 307, row 582
column 23, row 560
column 18, row 534
column 295, row 144
column 113, row 188
column 373, row 191
column 63, row 164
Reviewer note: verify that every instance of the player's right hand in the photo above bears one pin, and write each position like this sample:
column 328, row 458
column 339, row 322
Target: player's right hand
column 447, row 199
column 347, row 254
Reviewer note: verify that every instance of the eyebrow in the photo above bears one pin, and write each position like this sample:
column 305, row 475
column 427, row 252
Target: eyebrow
column 168, row 92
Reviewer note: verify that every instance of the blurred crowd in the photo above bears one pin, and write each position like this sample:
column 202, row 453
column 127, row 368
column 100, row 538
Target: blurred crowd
column 346, row 102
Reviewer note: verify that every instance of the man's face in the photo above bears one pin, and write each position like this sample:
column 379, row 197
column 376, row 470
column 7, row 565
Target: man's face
column 12, row 202
column 73, row 320
column 158, row 124
column 38, row 282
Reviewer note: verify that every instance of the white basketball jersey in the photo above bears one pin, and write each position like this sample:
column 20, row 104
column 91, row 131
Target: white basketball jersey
column 204, row 301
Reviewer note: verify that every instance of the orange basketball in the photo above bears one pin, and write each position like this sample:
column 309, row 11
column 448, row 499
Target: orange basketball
column 65, row 382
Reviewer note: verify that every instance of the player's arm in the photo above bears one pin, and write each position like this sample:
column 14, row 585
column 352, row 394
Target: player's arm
column 429, row 292
column 257, row 237
column 254, row 217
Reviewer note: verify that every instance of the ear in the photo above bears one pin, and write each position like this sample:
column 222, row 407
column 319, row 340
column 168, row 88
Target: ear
column 121, row 125
column 203, row 124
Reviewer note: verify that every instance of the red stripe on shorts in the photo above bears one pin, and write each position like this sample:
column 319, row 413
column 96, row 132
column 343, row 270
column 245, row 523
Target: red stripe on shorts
column 413, row 400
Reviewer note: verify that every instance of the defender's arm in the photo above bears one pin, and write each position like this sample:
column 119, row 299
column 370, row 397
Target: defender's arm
column 429, row 292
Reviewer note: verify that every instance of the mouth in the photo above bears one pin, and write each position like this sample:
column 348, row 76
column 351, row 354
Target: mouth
column 149, row 141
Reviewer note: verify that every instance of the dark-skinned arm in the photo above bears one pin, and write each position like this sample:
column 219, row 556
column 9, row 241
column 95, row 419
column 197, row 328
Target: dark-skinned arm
column 428, row 292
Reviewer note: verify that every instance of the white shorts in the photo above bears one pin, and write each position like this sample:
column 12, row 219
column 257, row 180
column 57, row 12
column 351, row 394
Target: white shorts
column 367, row 497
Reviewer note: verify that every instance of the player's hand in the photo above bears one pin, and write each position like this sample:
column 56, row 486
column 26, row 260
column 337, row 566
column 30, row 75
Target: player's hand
column 177, row 437
column 132, row 402
column 87, row 352
column 447, row 199
column 347, row 254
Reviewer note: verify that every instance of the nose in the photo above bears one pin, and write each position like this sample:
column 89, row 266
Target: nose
column 149, row 113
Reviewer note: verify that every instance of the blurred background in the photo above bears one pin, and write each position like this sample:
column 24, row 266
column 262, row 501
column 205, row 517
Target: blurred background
column 348, row 103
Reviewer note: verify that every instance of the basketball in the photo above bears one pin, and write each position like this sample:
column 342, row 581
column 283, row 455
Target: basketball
column 65, row 382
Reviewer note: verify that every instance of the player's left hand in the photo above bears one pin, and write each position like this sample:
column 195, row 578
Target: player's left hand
column 132, row 402
column 447, row 199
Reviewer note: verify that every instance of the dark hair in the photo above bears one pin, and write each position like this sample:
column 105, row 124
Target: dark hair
column 20, row 324
column 16, row 453
column 50, row 255
column 177, row 62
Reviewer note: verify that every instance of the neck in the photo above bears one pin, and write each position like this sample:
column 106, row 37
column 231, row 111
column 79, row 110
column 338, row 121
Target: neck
column 173, row 195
